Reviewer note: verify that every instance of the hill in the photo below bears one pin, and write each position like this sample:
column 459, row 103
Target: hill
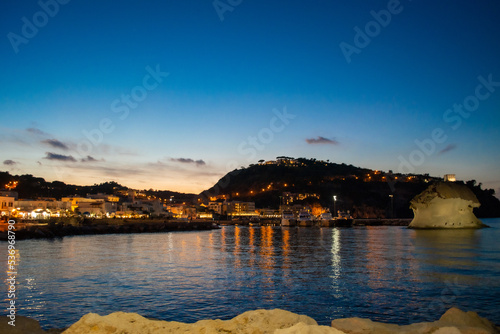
column 29, row 186
column 367, row 193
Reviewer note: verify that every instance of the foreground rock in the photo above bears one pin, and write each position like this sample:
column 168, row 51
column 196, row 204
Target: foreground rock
column 454, row 321
column 251, row 322
column 23, row 325
column 445, row 205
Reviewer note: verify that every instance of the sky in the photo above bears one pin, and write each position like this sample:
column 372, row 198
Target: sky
column 173, row 95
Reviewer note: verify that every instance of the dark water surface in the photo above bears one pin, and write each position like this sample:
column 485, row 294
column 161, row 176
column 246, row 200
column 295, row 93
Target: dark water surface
column 389, row 274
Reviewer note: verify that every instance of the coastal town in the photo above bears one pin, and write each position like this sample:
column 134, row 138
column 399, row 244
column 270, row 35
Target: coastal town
column 272, row 193
column 231, row 204
column 137, row 204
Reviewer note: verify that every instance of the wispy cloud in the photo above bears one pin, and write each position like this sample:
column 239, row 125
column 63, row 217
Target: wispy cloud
column 448, row 148
column 59, row 157
column 90, row 159
column 55, row 144
column 322, row 140
column 36, row 131
column 9, row 162
column 189, row 161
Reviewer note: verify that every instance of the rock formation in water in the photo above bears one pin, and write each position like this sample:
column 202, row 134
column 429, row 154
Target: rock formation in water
column 445, row 205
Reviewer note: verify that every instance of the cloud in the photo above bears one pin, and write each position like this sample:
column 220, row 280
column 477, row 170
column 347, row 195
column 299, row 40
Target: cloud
column 189, row 161
column 448, row 148
column 90, row 159
column 36, row 131
column 55, row 144
column 9, row 162
column 59, row 157
column 322, row 140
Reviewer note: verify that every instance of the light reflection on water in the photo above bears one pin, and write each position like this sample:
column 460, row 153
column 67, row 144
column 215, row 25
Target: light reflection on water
column 389, row 274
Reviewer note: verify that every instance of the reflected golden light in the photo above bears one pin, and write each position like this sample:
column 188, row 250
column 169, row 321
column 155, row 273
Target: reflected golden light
column 267, row 251
column 198, row 243
column 237, row 231
column 286, row 242
column 251, row 243
column 252, row 238
column 286, row 256
column 211, row 239
column 223, row 238
column 237, row 247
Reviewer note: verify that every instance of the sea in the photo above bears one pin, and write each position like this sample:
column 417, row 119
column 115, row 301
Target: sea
column 386, row 273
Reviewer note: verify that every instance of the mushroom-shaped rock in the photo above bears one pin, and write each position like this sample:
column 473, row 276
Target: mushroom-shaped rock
column 445, row 205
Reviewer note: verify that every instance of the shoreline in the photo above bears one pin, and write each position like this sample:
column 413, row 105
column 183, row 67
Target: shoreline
column 65, row 227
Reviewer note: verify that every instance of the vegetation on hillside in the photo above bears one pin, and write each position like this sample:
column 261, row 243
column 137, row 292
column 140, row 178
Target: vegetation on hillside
column 366, row 193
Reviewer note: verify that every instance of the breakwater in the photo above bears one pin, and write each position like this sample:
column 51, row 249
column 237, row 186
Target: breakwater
column 382, row 222
column 62, row 227
column 356, row 222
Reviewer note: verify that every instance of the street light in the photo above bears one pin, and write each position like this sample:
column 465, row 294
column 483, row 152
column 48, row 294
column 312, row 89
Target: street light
column 335, row 205
column 392, row 205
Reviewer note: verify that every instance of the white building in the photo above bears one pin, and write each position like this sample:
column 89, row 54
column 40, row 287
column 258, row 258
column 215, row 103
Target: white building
column 6, row 205
column 97, row 208
column 237, row 208
column 215, row 207
column 152, row 206
column 105, row 197
column 41, row 208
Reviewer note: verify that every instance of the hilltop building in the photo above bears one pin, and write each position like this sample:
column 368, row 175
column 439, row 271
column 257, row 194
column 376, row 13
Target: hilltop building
column 450, row 178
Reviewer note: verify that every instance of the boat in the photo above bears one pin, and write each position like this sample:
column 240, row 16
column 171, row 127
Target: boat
column 288, row 218
column 326, row 219
column 343, row 219
column 305, row 219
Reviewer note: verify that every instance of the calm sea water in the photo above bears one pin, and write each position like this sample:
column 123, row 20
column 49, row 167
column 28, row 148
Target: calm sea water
column 389, row 274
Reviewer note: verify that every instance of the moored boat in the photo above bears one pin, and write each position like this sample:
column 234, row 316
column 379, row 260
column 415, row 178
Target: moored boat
column 326, row 219
column 343, row 219
column 305, row 219
column 288, row 218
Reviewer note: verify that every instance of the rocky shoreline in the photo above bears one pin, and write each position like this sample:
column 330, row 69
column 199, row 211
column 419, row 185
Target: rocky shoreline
column 276, row 321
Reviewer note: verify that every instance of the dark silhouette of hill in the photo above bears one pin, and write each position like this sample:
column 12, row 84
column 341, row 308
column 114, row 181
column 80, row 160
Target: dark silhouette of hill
column 32, row 187
column 367, row 193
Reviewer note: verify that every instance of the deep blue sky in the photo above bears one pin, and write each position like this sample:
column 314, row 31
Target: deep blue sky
column 227, row 76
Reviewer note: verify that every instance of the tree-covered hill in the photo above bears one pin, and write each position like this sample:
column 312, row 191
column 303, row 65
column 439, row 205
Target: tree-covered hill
column 30, row 187
column 367, row 193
